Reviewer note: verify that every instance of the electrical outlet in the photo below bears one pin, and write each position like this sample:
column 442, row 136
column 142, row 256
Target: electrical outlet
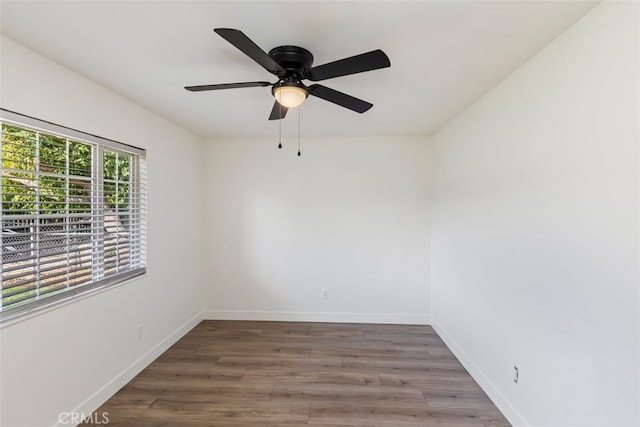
column 325, row 293
column 515, row 374
column 140, row 331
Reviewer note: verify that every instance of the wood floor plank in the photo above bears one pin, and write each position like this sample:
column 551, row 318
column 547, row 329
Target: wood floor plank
column 456, row 399
column 196, row 368
column 388, row 365
column 392, row 415
column 281, row 361
column 342, row 343
column 254, row 412
column 432, row 380
column 293, row 374
column 330, row 377
column 351, row 393
column 354, row 351
column 125, row 406
column 193, row 391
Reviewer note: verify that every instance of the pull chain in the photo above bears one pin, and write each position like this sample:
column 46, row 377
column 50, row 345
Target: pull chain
column 299, row 108
column 280, row 126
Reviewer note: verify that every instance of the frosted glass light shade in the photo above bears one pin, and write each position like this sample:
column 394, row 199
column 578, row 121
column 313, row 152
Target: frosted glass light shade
column 290, row 96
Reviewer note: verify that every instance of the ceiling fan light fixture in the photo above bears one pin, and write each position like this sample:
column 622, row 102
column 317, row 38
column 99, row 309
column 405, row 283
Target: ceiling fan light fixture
column 290, row 95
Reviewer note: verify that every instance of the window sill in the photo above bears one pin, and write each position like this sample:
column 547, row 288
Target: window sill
column 9, row 318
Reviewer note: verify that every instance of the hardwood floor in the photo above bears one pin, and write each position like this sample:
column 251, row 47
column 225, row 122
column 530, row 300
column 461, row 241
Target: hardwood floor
column 229, row 373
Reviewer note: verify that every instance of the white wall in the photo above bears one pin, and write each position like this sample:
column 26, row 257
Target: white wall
column 535, row 230
column 76, row 356
column 350, row 215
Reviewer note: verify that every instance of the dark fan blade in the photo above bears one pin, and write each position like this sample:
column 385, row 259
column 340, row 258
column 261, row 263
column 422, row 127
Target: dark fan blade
column 249, row 48
column 342, row 99
column 278, row 111
column 353, row 65
column 226, row 86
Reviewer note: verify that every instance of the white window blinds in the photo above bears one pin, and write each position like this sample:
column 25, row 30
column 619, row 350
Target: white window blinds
column 73, row 213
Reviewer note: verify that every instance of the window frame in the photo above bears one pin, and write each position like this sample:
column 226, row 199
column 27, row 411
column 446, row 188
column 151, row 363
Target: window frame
column 99, row 145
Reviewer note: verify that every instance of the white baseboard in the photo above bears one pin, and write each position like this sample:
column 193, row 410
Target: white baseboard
column 105, row 392
column 289, row 316
column 513, row 416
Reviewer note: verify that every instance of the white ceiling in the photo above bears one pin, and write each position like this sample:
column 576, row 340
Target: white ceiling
column 444, row 55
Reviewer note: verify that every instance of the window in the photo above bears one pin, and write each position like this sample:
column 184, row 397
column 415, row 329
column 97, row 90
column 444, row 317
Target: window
column 73, row 213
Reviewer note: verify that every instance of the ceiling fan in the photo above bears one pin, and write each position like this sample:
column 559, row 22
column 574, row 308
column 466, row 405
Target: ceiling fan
column 292, row 64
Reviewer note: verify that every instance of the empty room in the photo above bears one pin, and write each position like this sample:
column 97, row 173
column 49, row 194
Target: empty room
column 327, row 213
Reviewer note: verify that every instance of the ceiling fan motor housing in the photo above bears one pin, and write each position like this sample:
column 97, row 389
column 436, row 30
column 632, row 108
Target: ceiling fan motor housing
column 294, row 59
